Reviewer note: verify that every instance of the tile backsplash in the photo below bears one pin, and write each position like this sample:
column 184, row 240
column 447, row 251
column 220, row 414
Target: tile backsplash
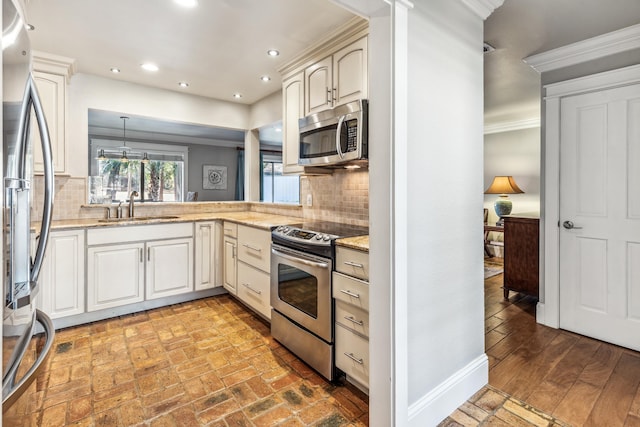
column 340, row 197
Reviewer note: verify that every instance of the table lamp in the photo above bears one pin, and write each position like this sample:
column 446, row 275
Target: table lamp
column 503, row 185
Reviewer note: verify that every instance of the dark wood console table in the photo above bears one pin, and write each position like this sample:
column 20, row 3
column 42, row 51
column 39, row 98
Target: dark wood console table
column 521, row 255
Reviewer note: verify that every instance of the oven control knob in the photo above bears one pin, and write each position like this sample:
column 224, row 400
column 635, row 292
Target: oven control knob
column 318, row 236
column 326, row 238
column 280, row 228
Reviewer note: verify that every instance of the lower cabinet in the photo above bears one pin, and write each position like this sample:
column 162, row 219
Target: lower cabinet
column 351, row 297
column 115, row 275
column 253, row 288
column 207, row 254
column 62, row 275
column 120, row 258
column 229, row 280
column 169, row 268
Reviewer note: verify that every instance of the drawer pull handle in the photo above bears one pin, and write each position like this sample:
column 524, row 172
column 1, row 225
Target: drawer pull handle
column 355, row 359
column 351, row 294
column 354, row 264
column 253, row 248
column 246, row 285
column 354, row 320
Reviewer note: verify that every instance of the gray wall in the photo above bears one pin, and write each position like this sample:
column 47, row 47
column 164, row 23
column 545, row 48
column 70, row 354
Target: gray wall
column 515, row 153
column 200, row 155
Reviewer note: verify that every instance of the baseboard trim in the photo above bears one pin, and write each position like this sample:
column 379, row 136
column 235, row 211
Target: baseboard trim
column 440, row 402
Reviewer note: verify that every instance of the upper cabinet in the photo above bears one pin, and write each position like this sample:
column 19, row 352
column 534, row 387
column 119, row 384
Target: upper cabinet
column 51, row 74
column 332, row 72
column 337, row 79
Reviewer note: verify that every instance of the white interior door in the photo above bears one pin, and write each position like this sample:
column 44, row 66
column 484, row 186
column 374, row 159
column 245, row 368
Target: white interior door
column 600, row 196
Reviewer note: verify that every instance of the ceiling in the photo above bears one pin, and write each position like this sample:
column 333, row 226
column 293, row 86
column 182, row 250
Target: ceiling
column 521, row 28
column 220, row 47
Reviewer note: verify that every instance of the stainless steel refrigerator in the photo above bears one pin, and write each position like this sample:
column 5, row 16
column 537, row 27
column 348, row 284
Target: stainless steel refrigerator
column 22, row 112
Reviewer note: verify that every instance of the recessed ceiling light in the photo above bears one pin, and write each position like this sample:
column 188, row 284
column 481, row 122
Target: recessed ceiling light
column 115, row 70
column 183, row 84
column 148, row 66
column 187, row 3
column 273, row 52
column 237, row 95
column 265, row 78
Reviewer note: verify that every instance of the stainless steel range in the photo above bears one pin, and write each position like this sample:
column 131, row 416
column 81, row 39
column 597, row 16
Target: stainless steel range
column 302, row 259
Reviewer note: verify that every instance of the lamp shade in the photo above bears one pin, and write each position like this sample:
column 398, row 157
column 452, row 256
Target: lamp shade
column 503, row 185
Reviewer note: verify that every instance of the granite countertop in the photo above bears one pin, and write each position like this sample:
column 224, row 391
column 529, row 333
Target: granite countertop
column 360, row 243
column 254, row 219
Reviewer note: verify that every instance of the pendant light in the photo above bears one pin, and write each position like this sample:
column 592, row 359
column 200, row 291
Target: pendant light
column 145, row 159
column 101, row 155
column 124, row 158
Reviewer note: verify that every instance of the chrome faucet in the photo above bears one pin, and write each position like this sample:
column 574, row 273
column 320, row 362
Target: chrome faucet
column 131, row 196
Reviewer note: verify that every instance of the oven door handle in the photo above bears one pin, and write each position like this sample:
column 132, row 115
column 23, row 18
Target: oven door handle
column 299, row 260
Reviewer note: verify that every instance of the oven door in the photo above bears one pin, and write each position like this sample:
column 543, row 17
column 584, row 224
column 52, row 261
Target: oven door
column 301, row 289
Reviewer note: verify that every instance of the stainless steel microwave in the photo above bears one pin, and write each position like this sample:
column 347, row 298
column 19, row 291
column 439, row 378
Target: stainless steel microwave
column 335, row 136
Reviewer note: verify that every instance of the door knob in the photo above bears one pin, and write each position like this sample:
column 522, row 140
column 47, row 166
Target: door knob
column 570, row 226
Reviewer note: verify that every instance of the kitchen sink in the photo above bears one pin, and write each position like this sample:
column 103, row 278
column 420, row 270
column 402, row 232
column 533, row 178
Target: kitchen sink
column 138, row 219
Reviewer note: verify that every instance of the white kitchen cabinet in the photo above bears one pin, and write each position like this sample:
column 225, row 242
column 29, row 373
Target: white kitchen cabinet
column 337, row 79
column 253, row 289
column 119, row 259
column 254, row 247
column 230, row 259
column 51, row 74
column 169, row 267
column 351, row 295
column 293, row 110
column 115, row 275
column 62, row 275
column 206, row 255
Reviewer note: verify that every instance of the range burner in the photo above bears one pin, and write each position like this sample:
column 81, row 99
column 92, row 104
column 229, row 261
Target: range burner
column 315, row 236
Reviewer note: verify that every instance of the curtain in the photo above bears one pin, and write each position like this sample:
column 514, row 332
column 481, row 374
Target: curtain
column 240, row 176
column 261, row 177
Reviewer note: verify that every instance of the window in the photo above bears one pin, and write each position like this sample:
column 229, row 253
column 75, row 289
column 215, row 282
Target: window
column 160, row 179
column 276, row 187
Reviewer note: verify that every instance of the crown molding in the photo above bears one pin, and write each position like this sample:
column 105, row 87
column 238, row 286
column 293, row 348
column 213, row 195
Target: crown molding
column 53, row 64
column 586, row 50
column 483, row 8
column 511, row 126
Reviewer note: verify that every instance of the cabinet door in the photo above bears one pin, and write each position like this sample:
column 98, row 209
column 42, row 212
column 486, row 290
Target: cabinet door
column 62, row 277
column 350, row 81
column 230, row 265
column 293, row 110
column 318, row 84
column 115, row 275
column 52, row 90
column 205, row 262
column 169, row 267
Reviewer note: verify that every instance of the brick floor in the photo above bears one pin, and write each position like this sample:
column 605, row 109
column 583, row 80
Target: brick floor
column 209, row 362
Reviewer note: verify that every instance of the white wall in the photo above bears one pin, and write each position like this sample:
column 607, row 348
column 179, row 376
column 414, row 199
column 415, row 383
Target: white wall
column 515, row 153
column 88, row 91
column 444, row 166
column 266, row 111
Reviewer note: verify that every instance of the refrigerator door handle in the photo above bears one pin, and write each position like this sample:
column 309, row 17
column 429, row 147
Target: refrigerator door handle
column 47, row 157
column 11, row 391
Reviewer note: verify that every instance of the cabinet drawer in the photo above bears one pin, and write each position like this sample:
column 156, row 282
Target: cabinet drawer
column 230, row 229
column 350, row 290
column 253, row 289
column 352, row 355
column 352, row 317
column 138, row 233
column 254, row 247
column 352, row 262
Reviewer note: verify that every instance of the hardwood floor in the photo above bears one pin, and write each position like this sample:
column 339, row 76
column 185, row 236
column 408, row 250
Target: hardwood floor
column 578, row 380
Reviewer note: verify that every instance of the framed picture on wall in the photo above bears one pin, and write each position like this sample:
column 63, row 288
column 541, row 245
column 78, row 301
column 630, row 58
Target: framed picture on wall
column 214, row 177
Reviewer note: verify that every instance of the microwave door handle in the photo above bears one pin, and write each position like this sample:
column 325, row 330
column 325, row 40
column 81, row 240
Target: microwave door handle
column 338, row 148
column 47, row 158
